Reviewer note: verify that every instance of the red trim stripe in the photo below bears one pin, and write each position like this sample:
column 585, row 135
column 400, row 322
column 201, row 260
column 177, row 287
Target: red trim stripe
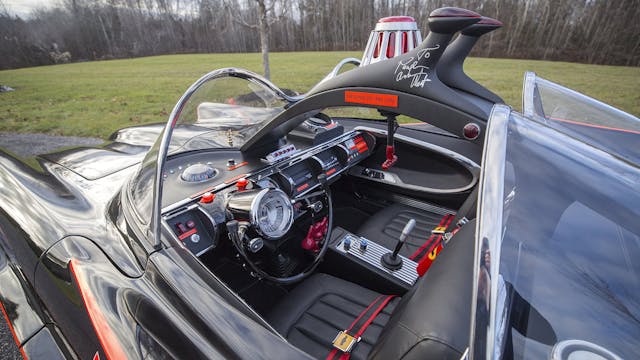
column 106, row 336
column 12, row 330
column 187, row 234
column 231, row 168
column 594, row 125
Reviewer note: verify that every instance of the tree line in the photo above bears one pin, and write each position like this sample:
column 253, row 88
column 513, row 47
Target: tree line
column 589, row 31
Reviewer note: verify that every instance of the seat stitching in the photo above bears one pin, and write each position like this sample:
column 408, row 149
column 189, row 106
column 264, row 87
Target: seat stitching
column 304, row 311
column 335, row 307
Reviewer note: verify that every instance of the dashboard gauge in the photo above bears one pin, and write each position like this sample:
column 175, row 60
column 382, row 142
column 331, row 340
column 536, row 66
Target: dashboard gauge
column 198, row 173
column 269, row 210
column 272, row 213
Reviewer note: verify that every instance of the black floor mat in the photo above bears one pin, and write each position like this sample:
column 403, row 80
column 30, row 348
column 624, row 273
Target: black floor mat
column 260, row 295
column 349, row 218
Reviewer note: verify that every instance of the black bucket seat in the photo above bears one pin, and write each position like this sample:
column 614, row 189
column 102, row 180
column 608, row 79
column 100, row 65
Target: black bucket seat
column 431, row 321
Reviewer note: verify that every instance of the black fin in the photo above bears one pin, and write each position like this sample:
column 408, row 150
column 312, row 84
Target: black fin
column 450, row 69
column 414, row 72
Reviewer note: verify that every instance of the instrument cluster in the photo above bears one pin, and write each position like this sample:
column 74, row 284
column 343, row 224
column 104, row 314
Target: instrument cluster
column 261, row 191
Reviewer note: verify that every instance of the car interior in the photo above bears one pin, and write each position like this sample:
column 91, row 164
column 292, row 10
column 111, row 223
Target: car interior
column 321, row 232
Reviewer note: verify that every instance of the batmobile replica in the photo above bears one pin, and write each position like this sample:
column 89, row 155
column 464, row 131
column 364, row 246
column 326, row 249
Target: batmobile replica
column 256, row 224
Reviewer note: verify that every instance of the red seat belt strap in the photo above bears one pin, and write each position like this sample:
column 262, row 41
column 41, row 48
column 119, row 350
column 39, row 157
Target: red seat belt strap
column 372, row 311
column 444, row 223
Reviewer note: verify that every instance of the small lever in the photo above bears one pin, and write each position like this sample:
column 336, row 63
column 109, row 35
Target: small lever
column 322, row 180
column 391, row 260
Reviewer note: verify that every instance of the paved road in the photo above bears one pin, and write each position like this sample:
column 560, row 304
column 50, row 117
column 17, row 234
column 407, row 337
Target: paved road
column 26, row 145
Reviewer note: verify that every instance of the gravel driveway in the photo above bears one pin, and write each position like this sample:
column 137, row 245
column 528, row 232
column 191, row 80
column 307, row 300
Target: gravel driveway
column 26, row 145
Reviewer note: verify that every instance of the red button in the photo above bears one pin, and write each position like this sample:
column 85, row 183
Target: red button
column 207, row 197
column 242, row 184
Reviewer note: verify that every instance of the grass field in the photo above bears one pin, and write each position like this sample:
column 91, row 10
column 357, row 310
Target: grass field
column 96, row 98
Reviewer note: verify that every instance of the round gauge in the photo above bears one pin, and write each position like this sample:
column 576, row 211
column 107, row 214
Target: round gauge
column 272, row 213
column 198, row 173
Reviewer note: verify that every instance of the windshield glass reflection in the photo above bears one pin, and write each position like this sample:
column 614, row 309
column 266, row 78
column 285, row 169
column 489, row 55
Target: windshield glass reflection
column 568, row 241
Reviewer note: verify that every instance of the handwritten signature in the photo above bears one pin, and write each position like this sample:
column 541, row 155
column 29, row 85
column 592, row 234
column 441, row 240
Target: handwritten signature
column 409, row 68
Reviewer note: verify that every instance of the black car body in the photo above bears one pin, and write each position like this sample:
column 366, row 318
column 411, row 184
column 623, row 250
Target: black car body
column 129, row 250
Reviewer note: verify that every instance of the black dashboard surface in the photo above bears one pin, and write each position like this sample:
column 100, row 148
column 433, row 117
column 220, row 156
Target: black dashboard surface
column 296, row 174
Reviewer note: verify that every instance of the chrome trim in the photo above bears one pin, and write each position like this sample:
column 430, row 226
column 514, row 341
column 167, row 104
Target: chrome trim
column 528, row 87
column 372, row 255
column 422, row 205
column 490, row 208
column 255, row 206
column 333, row 73
column 216, row 172
column 561, row 347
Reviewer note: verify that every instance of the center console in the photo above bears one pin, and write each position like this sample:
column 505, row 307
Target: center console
column 361, row 261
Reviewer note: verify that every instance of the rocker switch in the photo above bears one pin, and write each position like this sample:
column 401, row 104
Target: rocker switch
column 181, row 228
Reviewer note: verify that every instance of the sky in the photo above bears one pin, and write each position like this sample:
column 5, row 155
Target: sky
column 23, row 7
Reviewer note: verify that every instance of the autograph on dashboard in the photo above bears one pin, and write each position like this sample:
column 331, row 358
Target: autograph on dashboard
column 409, row 68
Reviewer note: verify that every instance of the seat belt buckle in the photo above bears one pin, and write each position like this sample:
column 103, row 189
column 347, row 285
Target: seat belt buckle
column 440, row 230
column 345, row 342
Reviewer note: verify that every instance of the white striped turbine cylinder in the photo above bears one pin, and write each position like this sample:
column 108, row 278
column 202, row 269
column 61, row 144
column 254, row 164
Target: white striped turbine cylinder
column 393, row 36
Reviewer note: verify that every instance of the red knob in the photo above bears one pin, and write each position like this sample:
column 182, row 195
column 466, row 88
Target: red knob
column 207, row 197
column 242, row 184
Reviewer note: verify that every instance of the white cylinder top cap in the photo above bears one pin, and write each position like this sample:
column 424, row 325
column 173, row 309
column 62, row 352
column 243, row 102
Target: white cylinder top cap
column 396, row 23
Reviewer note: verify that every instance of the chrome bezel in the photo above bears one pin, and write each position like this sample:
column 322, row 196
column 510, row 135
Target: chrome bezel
column 255, row 207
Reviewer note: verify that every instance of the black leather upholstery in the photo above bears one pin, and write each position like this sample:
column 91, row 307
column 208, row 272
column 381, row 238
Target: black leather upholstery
column 430, row 322
column 311, row 316
column 385, row 227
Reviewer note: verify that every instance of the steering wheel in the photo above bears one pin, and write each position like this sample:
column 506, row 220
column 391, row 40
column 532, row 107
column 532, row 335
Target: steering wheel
column 236, row 233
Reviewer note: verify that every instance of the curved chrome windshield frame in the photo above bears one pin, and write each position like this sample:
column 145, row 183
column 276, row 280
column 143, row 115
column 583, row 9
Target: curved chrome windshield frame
column 490, row 209
column 163, row 150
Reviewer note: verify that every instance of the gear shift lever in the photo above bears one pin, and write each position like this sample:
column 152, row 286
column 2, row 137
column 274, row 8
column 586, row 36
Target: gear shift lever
column 391, row 260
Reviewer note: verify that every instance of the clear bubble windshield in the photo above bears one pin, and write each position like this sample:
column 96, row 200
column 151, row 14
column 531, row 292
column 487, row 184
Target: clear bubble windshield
column 223, row 113
column 221, row 110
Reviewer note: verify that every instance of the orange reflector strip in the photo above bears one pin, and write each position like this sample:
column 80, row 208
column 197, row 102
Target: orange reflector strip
column 106, row 336
column 231, row 168
column 331, row 171
column 302, row 187
column 367, row 98
column 187, row 234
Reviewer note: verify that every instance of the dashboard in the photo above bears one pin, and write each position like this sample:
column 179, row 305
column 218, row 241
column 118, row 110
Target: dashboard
column 200, row 187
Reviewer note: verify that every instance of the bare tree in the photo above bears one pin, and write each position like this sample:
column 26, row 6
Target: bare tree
column 593, row 31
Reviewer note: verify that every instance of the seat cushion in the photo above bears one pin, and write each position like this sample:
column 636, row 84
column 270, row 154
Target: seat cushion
column 386, row 225
column 311, row 315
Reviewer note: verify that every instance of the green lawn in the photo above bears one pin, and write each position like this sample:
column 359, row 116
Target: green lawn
column 96, row 98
